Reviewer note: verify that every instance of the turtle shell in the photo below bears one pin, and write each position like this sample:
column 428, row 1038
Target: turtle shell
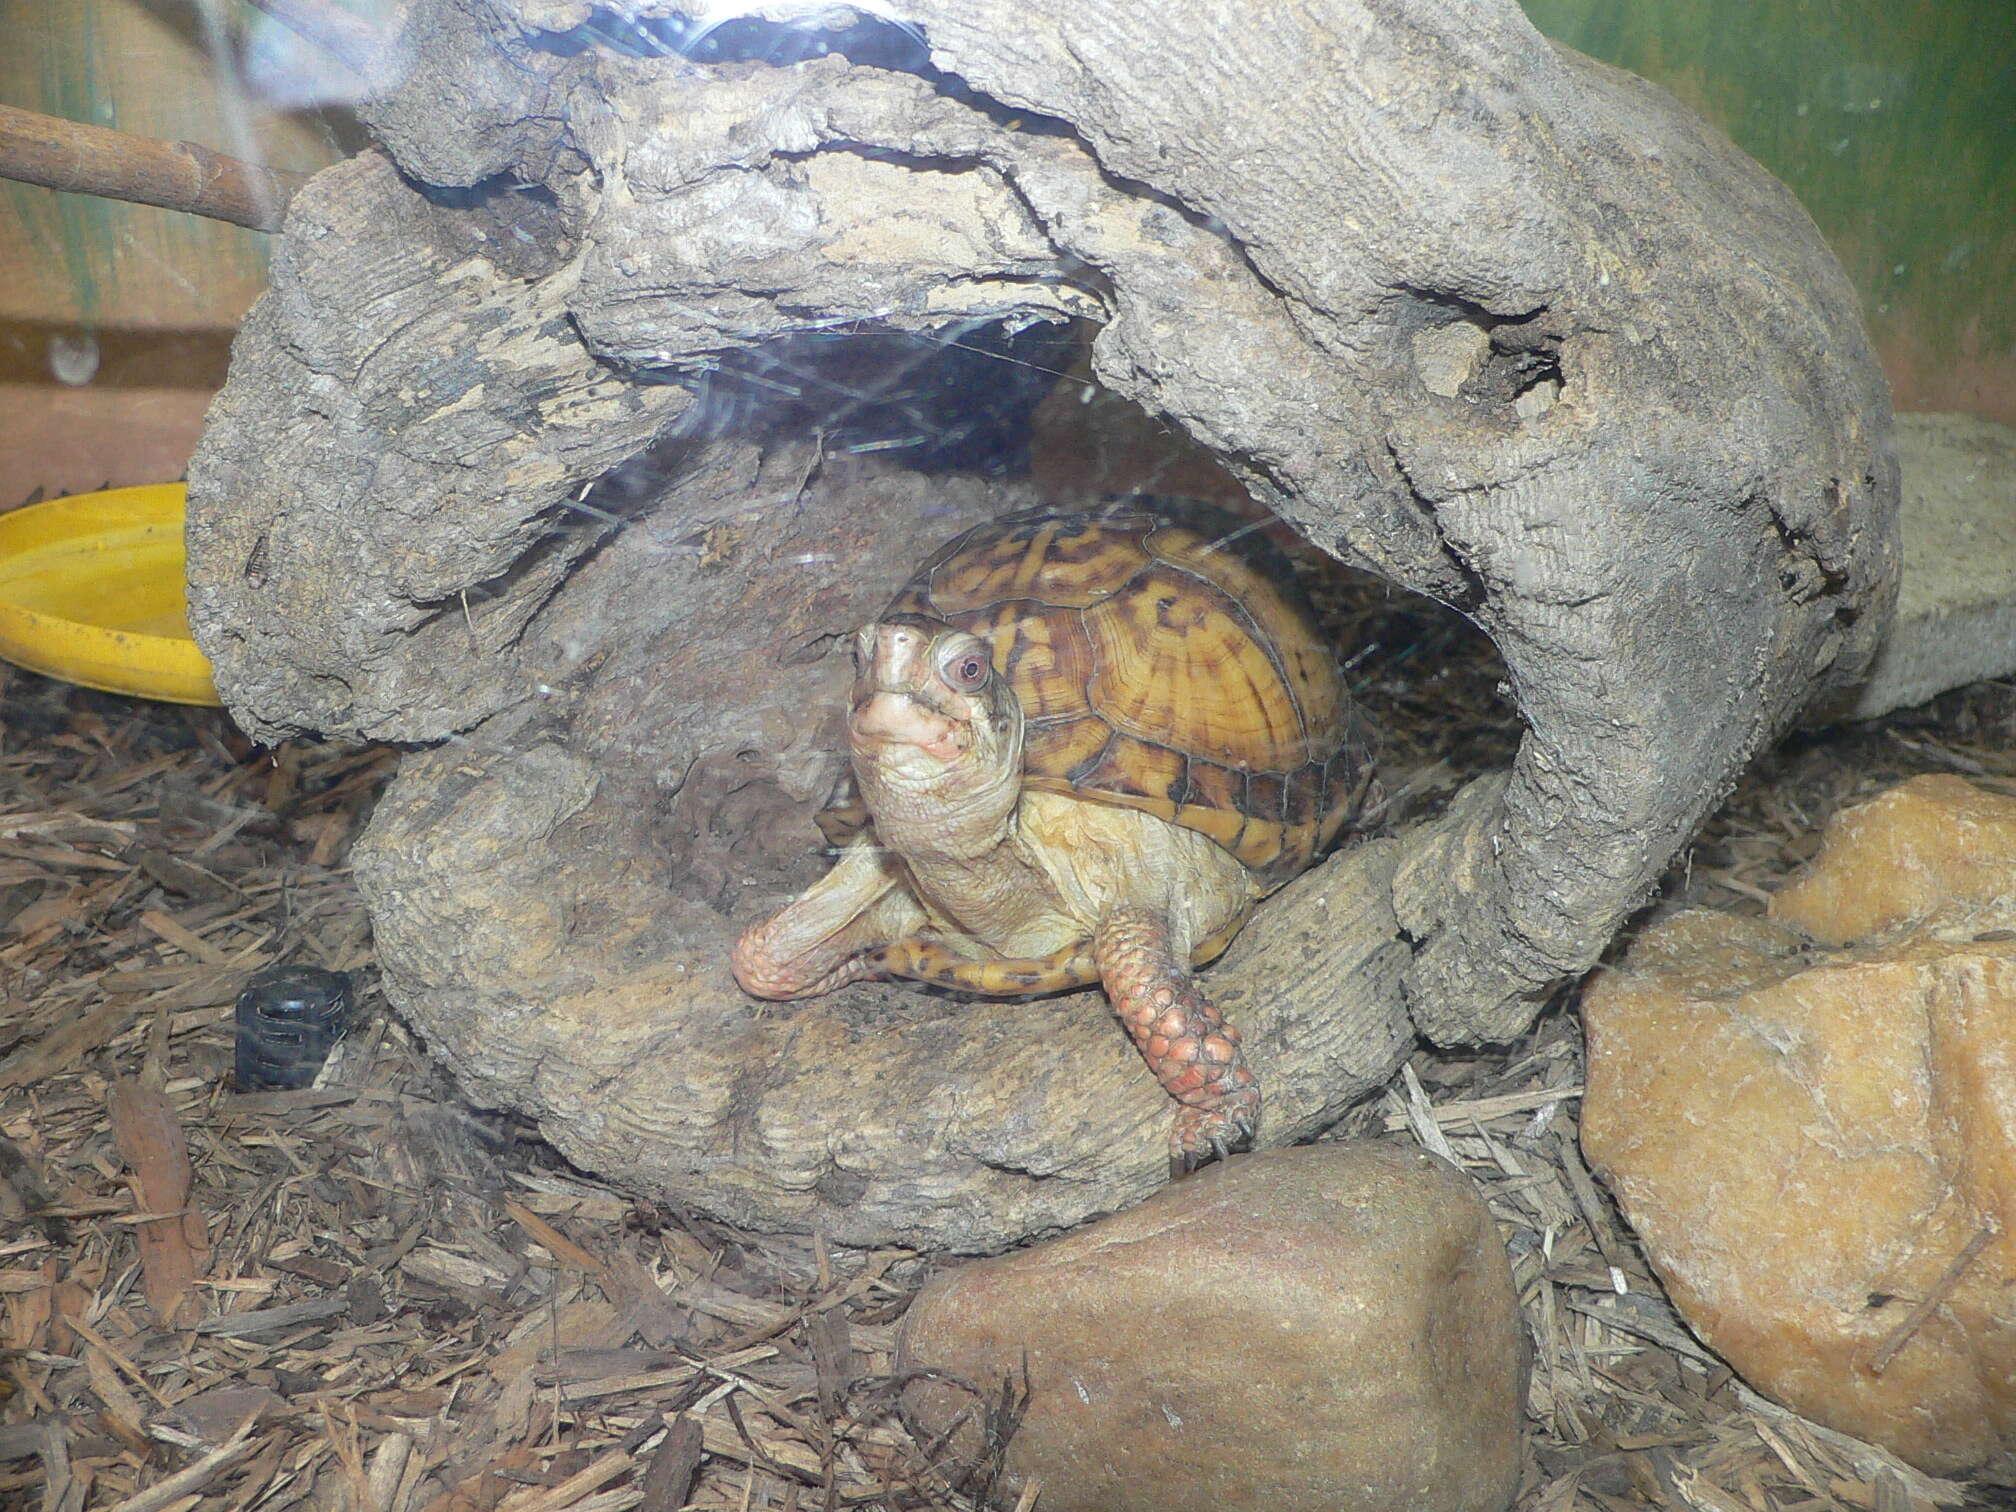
column 1164, row 663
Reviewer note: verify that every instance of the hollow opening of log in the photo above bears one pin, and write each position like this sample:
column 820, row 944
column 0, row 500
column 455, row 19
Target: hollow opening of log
column 582, row 870
column 783, row 509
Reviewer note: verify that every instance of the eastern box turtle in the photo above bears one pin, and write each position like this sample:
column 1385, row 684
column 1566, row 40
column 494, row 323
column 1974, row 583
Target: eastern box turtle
column 1083, row 746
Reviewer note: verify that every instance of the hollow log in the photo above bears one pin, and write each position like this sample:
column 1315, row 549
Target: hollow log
column 1505, row 326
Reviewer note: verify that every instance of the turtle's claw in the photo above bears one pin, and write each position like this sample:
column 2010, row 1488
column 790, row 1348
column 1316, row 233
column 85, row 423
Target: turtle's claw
column 1202, row 1135
column 1186, row 1162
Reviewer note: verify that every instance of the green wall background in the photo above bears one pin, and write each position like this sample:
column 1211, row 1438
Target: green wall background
column 1894, row 121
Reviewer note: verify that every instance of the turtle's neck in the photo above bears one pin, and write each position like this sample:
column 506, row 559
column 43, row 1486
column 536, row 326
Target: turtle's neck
column 956, row 839
column 928, row 822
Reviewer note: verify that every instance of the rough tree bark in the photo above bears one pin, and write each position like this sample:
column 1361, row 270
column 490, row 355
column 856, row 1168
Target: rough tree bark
column 1501, row 324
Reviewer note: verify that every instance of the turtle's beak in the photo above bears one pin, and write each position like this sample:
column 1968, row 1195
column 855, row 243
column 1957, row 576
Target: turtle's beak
column 897, row 698
column 899, row 719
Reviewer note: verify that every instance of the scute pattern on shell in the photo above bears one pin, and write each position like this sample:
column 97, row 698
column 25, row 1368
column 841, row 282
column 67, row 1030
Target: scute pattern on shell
column 1162, row 665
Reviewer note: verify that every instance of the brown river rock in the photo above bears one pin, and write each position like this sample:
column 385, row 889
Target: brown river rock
column 1328, row 1327
column 1811, row 1121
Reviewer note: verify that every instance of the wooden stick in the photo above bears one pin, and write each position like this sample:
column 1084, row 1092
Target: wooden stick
column 80, row 159
column 1899, row 1336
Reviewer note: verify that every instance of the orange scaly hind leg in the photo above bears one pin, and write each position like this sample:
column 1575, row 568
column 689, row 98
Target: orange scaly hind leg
column 1193, row 1052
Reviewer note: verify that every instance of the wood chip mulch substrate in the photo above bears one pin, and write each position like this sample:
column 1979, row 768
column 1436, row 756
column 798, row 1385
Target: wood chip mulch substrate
column 367, row 1295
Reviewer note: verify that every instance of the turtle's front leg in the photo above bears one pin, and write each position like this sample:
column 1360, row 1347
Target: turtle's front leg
column 1193, row 1052
column 817, row 943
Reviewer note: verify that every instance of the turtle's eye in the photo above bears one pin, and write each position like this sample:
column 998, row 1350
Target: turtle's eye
column 968, row 671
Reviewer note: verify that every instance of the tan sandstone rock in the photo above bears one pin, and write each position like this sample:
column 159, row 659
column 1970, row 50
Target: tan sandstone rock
column 1811, row 1121
column 1331, row 1327
column 1928, row 845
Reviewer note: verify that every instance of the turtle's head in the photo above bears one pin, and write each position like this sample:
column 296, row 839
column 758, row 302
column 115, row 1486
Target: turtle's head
column 935, row 731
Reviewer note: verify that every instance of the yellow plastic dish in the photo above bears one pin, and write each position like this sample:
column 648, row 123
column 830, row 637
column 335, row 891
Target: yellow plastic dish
column 91, row 591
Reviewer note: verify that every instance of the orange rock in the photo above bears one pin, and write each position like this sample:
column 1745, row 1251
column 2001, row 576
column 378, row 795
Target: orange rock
column 1818, row 1145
